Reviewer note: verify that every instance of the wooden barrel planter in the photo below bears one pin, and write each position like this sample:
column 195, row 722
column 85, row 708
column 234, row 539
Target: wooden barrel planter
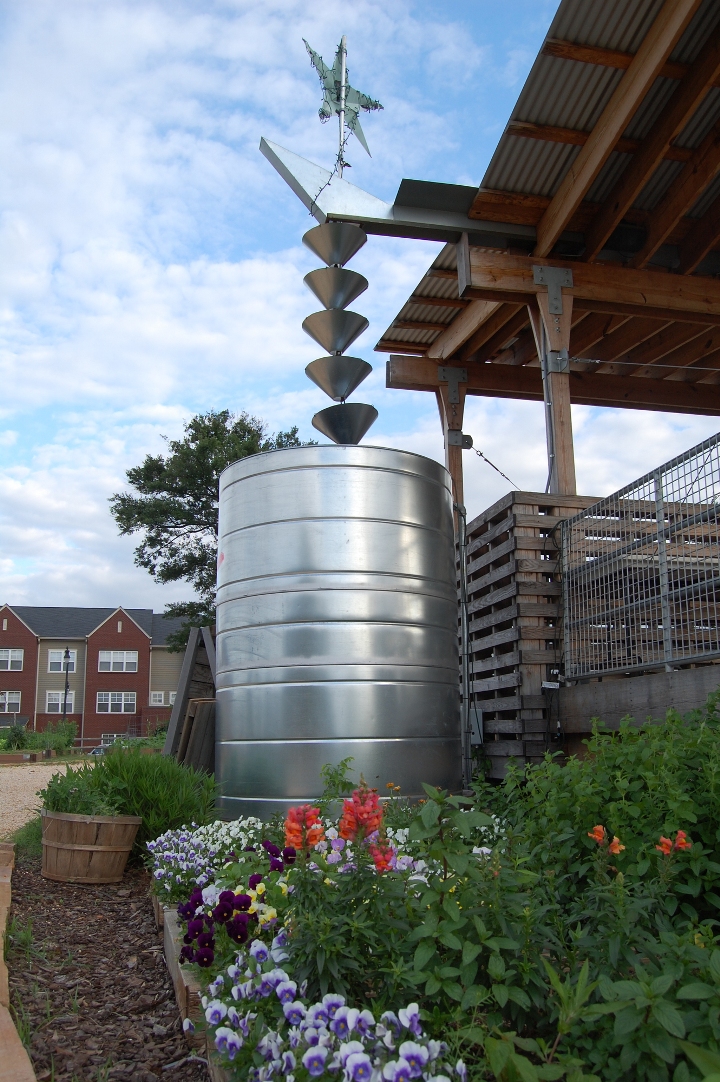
column 86, row 848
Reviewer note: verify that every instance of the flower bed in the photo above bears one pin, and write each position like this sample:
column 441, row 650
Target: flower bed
column 561, row 926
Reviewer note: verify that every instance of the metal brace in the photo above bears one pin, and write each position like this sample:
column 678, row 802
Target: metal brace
column 453, row 377
column 456, row 438
column 558, row 361
column 554, row 278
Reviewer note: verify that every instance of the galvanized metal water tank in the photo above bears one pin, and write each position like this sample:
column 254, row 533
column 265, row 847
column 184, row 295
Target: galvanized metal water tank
column 336, row 625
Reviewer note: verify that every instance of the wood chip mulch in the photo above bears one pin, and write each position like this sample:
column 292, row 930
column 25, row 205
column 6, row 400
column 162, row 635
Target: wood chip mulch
column 91, row 994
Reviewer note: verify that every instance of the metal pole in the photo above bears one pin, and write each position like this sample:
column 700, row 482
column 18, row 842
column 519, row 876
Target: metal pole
column 465, row 647
column 343, row 80
column 663, row 570
column 66, row 663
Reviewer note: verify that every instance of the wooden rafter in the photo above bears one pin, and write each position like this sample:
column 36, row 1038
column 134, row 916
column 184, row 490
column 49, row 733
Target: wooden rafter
column 658, row 347
column 684, row 191
column 387, row 345
column 593, row 328
column 637, row 292
column 654, row 147
column 586, row 388
column 549, row 133
column 639, row 76
column 703, row 236
column 607, row 58
column 437, row 302
column 691, row 352
column 616, row 344
column 505, row 321
column 462, row 328
column 418, row 325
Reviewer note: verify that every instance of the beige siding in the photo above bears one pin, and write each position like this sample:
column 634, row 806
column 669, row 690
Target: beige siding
column 55, row 681
column 164, row 671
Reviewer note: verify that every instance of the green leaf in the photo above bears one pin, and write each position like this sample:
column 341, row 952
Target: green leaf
column 453, row 989
column 433, row 985
column 715, row 964
column 430, row 814
column 626, row 1021
column 474, row 996
column 497, row 943
column 518, row 996
column 553, row 1071
column 473, row 1034
column 705, row 1060
column 662, row 1045
column 696, row 991
column 470, row 951
column 498, row 1053
column 525, row 1069
column 661, row 984
column 668, row 1017
column 501, row 994
column 450, row 940
column 458, row 862
column 423, row 954
column 496, row 967
column 432, row 792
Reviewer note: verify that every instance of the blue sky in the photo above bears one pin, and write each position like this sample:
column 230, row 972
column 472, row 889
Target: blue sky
column 151, row 258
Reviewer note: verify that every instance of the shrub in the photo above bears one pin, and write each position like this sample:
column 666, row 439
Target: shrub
column 126, row 782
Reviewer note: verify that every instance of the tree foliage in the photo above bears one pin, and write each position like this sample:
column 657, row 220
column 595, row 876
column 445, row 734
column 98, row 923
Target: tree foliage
column 174, row 505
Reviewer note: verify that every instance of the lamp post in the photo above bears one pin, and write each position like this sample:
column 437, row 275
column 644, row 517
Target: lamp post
column 66, row 667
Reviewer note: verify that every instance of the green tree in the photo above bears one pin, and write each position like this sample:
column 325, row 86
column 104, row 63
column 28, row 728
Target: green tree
column 174, row 505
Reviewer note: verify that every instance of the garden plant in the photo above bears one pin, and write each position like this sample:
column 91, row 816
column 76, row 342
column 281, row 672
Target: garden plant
column 126, row 782
column 562, row 925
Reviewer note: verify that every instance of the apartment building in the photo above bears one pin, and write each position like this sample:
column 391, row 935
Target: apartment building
column 122, row 677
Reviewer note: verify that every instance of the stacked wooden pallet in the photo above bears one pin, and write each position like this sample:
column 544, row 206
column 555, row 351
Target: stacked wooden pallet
column 515, row 622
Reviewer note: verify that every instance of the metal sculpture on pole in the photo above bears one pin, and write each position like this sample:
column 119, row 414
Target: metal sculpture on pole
column 335, row 328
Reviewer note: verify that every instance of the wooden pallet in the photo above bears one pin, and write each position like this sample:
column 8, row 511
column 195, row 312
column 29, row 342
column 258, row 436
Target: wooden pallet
column 514, row 622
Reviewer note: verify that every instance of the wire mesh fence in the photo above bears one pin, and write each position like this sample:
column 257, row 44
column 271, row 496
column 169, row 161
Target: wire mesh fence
column 641, row 571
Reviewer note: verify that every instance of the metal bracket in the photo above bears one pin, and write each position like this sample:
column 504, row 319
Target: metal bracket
column 453, row 377
column 558, row 361
column 456, row 438
column 554, row 278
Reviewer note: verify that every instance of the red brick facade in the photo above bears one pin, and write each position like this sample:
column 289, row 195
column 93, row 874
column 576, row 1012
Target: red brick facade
column 119, row 632
column 14, row 635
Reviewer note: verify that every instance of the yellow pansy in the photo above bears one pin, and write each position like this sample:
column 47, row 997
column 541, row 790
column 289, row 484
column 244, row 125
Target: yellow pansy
column 260, row 888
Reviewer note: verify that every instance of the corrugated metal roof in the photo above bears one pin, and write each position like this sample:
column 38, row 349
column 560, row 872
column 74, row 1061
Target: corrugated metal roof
column 565, row 93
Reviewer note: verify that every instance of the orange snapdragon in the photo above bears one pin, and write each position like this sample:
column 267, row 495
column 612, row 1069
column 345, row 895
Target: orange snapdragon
column 382, row 856
column 667, row 846
column 303, row 829
column 597, row 834
column 362, row 814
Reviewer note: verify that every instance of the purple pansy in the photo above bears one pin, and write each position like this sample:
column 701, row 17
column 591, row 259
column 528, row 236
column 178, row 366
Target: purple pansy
column 286, row 991
column 332, row 1003
column 215, row 1012
column 289, row 854
column 294, row 1012
column 259, row 951
column 205, row 957
column 242, row 901
column 397, row 1070
column 358, row 1067
column 416, row 1055
column 254, row 879
column 314, row 1060
column 276, row 865
column 410, row 1018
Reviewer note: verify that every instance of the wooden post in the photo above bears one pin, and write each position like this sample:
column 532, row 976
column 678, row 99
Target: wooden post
column 558, row 417
column 451, row 417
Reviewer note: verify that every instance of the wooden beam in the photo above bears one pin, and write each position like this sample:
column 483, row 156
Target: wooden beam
column 451, row 417
column 418, row 325
column 608, row 58
column 704, row 235
column 461, row 328
column 437, row 302
column 688, row 353
column 587, row 389
column 488, row 340
column 685, row 190
column 634, row 85
column 661, row 344
column 575, row 137
column 386, row 345
column 654, row 147
column 618, row 343
column 636, row 290
column 654, row 311
column 593, row 328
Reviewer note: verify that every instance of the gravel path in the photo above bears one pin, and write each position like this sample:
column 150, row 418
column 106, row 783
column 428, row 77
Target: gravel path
column 18, row 786
column 88, row 983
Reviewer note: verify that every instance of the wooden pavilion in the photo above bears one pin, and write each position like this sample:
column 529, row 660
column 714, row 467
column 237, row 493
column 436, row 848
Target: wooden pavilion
column 589, row 269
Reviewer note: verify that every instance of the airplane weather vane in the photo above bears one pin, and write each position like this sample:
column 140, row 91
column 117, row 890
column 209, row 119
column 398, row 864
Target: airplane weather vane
column 341, row 99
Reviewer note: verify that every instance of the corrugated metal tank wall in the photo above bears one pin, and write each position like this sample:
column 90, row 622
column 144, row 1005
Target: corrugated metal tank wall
column 336, row 625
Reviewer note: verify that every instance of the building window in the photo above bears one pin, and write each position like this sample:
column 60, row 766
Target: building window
column 118, row 661
column 11, row 660
column 116, row 702
column 56, row 661
column 171, row 698
column 54, row 702
column 157, row 698
column 109, row 738
column 9, row 702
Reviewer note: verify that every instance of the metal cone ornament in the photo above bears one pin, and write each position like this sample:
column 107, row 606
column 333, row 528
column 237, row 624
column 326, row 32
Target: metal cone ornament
column 338, row 376
column 346, row 423
column 335, row 287
column 335, row 329
column 335, row 242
